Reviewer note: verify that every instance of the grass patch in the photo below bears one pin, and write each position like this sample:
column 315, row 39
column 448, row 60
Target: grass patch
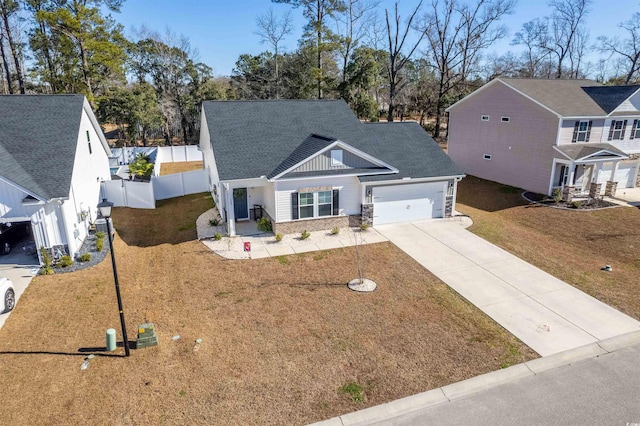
column 354, row 390
column 506, row 189
column 283, row 260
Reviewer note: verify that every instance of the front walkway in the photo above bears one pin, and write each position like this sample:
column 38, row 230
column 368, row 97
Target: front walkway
column 545, row 313
column 266, row 245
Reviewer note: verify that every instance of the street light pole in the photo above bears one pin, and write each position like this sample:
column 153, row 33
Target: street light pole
column 105, row 211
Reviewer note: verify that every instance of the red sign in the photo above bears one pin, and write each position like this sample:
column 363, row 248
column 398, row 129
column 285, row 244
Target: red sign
column 247, row 246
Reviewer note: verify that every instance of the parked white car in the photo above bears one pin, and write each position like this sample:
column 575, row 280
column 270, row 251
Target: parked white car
column 8, row 295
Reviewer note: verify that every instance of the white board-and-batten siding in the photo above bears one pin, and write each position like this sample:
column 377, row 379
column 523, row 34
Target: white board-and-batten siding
column 349, row 187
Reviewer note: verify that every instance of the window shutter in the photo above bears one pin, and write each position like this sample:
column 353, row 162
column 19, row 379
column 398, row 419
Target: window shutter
column 295, row 214
column 624, row 127
column 575, row 132
column 336, row 202
column 613, row 125
column 633, row 129
column 588, row 131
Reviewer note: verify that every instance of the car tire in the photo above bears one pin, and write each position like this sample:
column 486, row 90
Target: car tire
column 9, row 300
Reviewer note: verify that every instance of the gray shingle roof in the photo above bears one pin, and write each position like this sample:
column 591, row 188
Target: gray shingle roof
column 258, row 138
column 610, row 97
column 38, row 137
column 580, row 150
column 565, row 97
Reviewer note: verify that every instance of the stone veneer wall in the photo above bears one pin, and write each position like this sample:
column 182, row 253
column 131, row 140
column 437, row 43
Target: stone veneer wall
column 448, row 206
column 594, row 190
column 635, row 157
column 311, row 225
column 568, row 193
column 367, row 214
column 610, row 189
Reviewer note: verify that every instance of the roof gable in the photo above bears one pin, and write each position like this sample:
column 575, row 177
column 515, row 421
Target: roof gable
column 38, row 139
column 610, row 97
column 590, row 151
column 253, row 139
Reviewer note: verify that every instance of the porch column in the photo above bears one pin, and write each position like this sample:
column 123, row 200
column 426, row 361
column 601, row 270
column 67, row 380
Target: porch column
column 572, row 174
column 614, row 169
column 231, row 217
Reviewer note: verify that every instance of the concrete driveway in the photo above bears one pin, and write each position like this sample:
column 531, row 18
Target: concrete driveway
column 547, row 314
column 20, row 269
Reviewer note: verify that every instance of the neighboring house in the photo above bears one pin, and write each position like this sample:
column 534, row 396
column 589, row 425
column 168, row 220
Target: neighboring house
column 311, row 164
column 544, row 134
column 53, row 156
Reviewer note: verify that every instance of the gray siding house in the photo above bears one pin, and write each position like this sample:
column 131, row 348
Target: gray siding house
column 312, row 165
column 576, row 135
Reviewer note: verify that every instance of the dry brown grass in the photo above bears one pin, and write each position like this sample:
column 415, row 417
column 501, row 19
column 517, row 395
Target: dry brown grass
column 280, row 335
column 571, row 245
column 185, row 166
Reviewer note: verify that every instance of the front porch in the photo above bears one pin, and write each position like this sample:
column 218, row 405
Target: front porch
column 585, row 170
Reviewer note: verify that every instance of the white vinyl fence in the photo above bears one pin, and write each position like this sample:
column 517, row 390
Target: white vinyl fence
column 126, row 193
column 179, row 184
column 143, row 195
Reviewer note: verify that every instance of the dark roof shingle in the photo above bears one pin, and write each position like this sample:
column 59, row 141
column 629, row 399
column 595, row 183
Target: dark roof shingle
column 38, row 138
column 263, row 138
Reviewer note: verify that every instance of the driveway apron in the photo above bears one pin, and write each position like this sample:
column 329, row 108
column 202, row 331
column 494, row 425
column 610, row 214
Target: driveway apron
column 545, row 313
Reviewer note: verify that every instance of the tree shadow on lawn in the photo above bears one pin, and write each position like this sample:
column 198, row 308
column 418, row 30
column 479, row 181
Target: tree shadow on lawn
column 487, row 195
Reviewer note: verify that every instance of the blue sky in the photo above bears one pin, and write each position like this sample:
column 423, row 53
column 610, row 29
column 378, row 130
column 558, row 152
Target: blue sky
column 221, row 30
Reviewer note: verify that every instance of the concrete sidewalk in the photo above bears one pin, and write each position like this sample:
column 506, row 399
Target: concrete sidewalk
column 547, row 314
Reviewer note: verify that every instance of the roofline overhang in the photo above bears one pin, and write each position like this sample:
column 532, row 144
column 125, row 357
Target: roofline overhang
column 586, row 159
column 21, row 188
column 413, row 180
column 282, row 179
column 344, row 145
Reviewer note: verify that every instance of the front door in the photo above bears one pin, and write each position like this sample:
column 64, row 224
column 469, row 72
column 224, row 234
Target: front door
column 240, row 206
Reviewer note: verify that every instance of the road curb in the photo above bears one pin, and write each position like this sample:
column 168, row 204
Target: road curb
column 414, row 403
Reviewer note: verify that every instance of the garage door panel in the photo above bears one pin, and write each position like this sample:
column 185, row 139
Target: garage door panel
column 625, row 175
column 407, row 202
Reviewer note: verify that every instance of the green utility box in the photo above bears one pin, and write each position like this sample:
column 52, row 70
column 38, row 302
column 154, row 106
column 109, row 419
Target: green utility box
column 146, row 336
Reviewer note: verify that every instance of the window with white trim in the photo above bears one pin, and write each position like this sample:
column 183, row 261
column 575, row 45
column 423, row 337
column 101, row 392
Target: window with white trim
column 581, row 131
column 616, row 131
column 336, row 157
column 306, row 205
column 325, row 203
column 635, row 130
column 484, row 118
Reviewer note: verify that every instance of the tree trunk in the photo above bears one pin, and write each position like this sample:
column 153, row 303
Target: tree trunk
column 7, row 72
column 319, row 41
column 14, row 51
column 85, row 72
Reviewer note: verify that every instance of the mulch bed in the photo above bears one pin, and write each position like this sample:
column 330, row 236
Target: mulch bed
column 577, row 204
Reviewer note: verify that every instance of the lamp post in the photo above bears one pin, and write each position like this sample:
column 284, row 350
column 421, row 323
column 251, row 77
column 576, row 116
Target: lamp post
column 105, row 211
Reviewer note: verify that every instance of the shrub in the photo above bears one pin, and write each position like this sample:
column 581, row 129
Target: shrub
column 46, row 258
column 575, row 204
column 265, row 224
column 304, row 235
column 65, row 261
column 100, row 235
column 217, row 236
column 47, row 271
column 85, row 257
column 278, row 237
column 557, row 195
column 335, row 230
column 214, row 222
column 364, row 226
column 99, row 244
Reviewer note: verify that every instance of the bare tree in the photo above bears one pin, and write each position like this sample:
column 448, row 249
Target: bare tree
column 565, row 30
column 352, row 24
column 272, row 30
column 457, row 34
column 530, row 36
column 628, row 49
column 397, row 60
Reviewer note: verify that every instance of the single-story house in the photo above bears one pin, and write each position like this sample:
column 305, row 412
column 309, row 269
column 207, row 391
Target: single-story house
column 312, row 165
column 574, row 135
column 53, row 156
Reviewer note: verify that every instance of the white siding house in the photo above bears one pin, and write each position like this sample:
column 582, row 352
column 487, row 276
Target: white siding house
column 54, row 158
